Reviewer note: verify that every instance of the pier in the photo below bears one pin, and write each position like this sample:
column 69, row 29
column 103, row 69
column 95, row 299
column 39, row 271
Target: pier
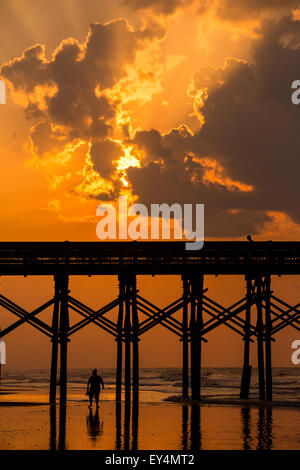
column 257, row 317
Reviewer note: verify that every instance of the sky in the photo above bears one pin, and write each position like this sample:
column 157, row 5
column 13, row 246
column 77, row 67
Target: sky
column 163, row 101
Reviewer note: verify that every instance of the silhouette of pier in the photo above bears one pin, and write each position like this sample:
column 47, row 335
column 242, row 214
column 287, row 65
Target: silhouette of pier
column 257, row 262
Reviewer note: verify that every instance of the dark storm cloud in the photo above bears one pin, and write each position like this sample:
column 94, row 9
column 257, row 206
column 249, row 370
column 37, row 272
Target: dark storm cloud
column 103, row 153
column 253, row 125
column 251, row 128
column 44, row 137
column 29, row 70
column 155, row 184
column 152, row 142
column 75, row 71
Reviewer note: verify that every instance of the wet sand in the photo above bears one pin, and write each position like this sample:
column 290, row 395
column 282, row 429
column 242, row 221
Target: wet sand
column 32, row 424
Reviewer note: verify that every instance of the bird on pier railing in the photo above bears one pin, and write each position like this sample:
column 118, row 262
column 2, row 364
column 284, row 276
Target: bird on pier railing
column 249, row 248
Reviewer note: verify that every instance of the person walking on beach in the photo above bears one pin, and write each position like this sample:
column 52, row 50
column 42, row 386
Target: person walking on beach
column 93, row 387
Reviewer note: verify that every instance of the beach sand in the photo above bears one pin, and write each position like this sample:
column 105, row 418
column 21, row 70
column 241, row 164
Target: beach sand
column 27, row 422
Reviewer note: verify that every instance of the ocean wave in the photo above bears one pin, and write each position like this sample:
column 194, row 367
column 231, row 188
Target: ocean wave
column 163, row 382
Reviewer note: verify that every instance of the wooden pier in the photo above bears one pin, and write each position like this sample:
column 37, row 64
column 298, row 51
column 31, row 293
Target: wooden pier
column 257, row 262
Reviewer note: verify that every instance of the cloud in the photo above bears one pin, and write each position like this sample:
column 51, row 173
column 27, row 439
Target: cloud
column 243, row 162
column 225, row 10
column 155, row 184
column 239, row 10
column 44, row 136
column 79, row 76
column 103, row 154
column 75, row 95
column 29, row 70
column 250, row 122
column 165, row 7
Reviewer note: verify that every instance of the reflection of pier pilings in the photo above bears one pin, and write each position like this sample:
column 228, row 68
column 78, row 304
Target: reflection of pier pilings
column 135, row 425
column 246, row 427
column 184, row 434
column 128, row 440
column 62, row 427
column 264, row 428
column 191, row 428
column 53, row 427
column 269, row 428
column 195, row 431
column 61, row 444
column 118, row 426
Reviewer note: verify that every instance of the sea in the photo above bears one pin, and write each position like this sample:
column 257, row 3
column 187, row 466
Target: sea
column 160, row 420
column 156, row 384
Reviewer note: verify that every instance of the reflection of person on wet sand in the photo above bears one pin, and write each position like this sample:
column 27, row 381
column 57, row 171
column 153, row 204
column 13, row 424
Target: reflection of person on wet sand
column 93, row 387
column 95, row 429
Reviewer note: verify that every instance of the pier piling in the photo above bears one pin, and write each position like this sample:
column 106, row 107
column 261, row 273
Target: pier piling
column 63, row 330
column 120, row 340
column 196, row 286
column 246, row 374
column 54, row 340
column 260, row 339
column 268, row 356
column 185, row 341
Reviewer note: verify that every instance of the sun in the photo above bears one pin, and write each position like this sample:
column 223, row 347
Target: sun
column 130, row 158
